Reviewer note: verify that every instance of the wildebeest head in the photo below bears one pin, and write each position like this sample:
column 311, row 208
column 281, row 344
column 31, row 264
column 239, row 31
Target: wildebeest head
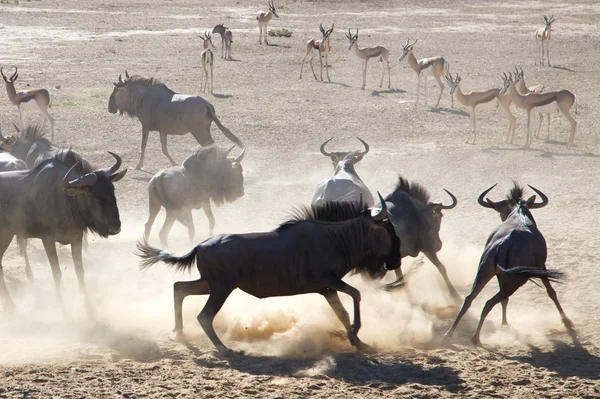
column 336, row 157
column 506, row 206
column 385, row 243
column 119, row 99
column 96, row 190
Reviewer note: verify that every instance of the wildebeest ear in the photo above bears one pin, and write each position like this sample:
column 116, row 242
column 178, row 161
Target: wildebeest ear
column 117, row 176
column 436, row 208
column 530, row 201
column 380, row 240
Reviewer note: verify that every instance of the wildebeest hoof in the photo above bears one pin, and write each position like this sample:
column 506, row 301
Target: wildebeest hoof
column 568, row 324
column 476, row 341
column 228, row 353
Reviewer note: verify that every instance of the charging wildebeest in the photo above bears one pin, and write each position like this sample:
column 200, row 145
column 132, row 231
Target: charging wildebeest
column 57, row 201
column 160, row 109
column 515, row 252
column 345, row 184
column 301, row 256
column 207, row 174
column 29, row 145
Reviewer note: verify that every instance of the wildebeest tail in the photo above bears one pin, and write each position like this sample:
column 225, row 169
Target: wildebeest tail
column 225, row 131
column 533, row 272
column 150, row 255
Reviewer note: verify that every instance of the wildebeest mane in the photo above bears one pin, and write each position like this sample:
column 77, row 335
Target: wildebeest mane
column 515, row 194
column 34, row 133
column 68, row 158
column 136, row 95
column 330, row 211
column 413, row 189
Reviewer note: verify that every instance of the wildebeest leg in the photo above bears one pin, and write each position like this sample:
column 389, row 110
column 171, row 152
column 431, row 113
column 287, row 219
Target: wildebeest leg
column 164, row 231
column 218, row 294
column 333, row 299
column 163, row 143
column 145, row 133
column 509, row 287
column 504, row 303
column 181, row 289
column 187, row 216
column 432, row 256
column 9, row 305
column 552, row 294
column 22, row 242
column 211, row 218
column 153, row 208
column 50, row 247
column 76, row 252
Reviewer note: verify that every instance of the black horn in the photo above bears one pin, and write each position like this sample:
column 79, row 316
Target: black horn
column 454, row 201
column 481, row 200
column 382, row 214
column 126, row 75
column 327, row 154
column 115, row 167
column 229, row 150
column 85, row 180
column 241, row 156
column 365, row 144
column 542, row 196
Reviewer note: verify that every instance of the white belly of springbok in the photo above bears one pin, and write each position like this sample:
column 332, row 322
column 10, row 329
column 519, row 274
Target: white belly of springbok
column 546, row 109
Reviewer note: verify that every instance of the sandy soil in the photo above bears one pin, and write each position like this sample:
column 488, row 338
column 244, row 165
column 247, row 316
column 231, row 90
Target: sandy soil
column 293, row 345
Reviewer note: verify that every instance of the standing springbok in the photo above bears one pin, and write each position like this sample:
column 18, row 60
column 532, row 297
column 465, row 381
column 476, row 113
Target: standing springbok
column 543, row 35
column 226, row 40
column 524, row 89
column 426, row 67
column 318, row 46
column 563, row 100
column 481, row 100
column 263, row 19
column 27, row 100
column 367, row 53
column 207, row 56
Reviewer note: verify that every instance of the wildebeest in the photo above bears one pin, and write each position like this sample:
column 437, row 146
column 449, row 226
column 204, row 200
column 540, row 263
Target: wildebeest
column 57, row 201
column 207, row 174
column 345, row 184
column 301, row 256
column 417, row 221
column 515, row 252
column 29, row 145
column 160, row 109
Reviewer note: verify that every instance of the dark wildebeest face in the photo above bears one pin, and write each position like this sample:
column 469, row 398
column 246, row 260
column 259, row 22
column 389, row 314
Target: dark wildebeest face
column 385, row 244
column 234, row 186
column 119, row 99
column 506, row 206
column 336, row 157
column 98, row 192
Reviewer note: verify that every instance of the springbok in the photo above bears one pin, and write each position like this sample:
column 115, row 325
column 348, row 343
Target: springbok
column 226, row 40
column 318, row 46
column 481, row 100
column 263, row 19
column 27, row 100
column 207, row 56
column 367, row 53
column 543, row 35
column 563, row 100
column 426, row 67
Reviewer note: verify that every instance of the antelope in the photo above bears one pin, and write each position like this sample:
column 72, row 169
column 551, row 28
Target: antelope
column 263, row 19
column 544, row 35
column 523, row 89
column 28, row 100
column 563, row 100
column 226, row 40
column 320, row 46
column 426, row 67
column 207, row 56
column 481, row 100
column 367, row 53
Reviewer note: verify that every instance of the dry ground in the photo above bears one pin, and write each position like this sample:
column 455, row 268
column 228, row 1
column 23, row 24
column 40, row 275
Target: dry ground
column 77, row 49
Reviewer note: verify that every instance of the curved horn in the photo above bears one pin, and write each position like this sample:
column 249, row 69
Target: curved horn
column 349, row 33
column 365, row 144
column 321, row 27
column 2, row 73
column 241, row 156
column 229, row 150
column 332, row 25
column 407, row 40
column 327, row 154
column 542, row 196
column 14, row 74
column 115, row 167
column 481, row 201
column 415, row 42
column 454, row 201
column 85, row 180
column 382, row 214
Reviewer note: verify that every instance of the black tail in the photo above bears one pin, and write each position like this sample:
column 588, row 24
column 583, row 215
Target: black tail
column 226, row 132
column 151, row 255
column 533, row 272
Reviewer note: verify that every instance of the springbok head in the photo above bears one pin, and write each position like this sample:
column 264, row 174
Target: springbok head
column 12, row 78
column 272, row 9
column 336, row 157
column 508, row 80
column 325, row 32
column 407, row 48
column 351, row 38
column 207, row 40
column 506, row 206
column 452, row 82
column 548, row 22
column 119, row 99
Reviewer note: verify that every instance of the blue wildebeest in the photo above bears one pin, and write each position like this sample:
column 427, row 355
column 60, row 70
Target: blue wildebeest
column 29, row 145
column 57, row 201
column 160, row 109
column 345, row 184
column 515, row 252
column 301, row 256
column 207, row 174
column 417, row 221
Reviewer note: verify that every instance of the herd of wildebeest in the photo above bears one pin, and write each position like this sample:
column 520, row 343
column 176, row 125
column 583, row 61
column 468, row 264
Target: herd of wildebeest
column 55, row 195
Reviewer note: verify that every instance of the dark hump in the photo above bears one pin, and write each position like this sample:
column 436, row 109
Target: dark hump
column 415, row 190
column 203, row 155
column 331, row 211
column 149, row 82
column 515, row 194
column 67, row 158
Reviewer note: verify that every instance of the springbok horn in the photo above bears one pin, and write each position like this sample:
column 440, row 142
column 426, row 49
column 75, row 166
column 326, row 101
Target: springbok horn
column 349, row 33
column 229, row 150
column 332, row 25
column 2, row 138
column 454, row 201
column 241, row 156
column 415, row 42
column 542, row 196
column 407, row 40
column 382, row 214
column 14, row 74
column 481, row 201
column 321, row 27
column 365, row 144
column 85, row 180
column 115, row 167
column 3, row 76
column 327, row 154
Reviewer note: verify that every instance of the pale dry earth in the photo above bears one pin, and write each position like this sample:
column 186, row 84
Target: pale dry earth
column 293, row 346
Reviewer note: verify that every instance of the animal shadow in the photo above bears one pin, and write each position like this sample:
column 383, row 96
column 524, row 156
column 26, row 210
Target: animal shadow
column 377, row 93
column 540, row 152
column 279, row 45
column 563, row 68
column 222, row 95
column 449, row 111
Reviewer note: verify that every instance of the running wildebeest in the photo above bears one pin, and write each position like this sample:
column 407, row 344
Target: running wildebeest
column 57, row 201
column 345, row 184
column 417, row 221
column 207, row 174
column 29, row 145
column 515, row 252
column 301, row 256
column 160, row 109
